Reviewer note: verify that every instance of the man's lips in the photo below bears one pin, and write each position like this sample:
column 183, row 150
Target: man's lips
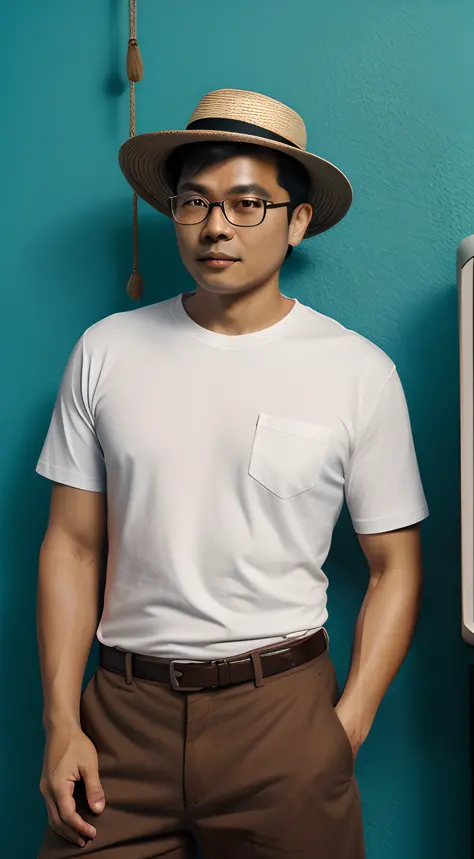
column 217, row 262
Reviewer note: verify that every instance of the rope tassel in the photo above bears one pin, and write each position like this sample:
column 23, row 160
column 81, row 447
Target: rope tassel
column 134, row 74
column 134, row 62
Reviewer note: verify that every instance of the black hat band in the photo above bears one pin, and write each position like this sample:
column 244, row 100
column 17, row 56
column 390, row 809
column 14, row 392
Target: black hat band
column 238, row 127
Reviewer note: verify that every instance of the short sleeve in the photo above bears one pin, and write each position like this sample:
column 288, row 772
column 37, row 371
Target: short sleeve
column 383, row 486
column 72, row 453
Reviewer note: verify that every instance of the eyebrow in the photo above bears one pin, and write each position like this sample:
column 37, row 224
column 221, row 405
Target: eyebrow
column 253, row 188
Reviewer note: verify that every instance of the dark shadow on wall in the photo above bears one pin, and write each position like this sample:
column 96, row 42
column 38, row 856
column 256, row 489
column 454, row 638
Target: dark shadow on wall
column 115, row 82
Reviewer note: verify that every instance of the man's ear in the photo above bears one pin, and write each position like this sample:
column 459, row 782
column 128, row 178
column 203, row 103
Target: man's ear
column 299, row 223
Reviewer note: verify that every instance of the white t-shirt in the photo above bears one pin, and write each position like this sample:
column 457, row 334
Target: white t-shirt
column 226, row 460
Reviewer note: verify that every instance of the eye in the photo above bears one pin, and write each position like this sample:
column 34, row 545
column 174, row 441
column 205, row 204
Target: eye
column 192, row 202
column 249, row 203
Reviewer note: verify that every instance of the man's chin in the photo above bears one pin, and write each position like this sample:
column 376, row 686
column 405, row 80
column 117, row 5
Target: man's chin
column 219, row 284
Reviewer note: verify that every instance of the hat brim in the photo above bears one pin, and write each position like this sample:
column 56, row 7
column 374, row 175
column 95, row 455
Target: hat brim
column 142, row 159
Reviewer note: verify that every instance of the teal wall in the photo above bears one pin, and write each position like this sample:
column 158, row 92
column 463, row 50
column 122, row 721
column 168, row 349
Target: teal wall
column 386, row 91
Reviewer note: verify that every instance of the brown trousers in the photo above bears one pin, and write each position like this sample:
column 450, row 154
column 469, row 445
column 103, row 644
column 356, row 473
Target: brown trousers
column 244, row 772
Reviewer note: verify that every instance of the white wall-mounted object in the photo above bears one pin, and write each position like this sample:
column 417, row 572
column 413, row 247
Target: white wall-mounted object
column 465, row 279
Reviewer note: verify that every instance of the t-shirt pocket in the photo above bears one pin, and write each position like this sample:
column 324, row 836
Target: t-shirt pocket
column 287, row 455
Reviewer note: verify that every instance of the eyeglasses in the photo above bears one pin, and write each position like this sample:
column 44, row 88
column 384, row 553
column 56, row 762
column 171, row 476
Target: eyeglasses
column 189, row 209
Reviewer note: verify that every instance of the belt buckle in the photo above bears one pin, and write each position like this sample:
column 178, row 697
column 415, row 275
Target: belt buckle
column 174, row 679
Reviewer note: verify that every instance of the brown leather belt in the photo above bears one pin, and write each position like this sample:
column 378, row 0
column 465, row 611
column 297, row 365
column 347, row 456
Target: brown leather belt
column 197, row 676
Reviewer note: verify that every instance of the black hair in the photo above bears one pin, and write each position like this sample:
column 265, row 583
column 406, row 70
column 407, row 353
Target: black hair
column 291, row 175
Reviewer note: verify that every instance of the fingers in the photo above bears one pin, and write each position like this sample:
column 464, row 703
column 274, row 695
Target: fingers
column 94, row 791
column 64, row 817
column 68, row 759
column 69, row 816
column 64, row 831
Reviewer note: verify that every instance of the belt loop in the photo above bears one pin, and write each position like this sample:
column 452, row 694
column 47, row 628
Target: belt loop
column 257, row 669
column 129, row 669
column 223, row 673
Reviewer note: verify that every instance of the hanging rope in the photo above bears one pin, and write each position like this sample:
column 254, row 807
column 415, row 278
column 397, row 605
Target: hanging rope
column 134, row 74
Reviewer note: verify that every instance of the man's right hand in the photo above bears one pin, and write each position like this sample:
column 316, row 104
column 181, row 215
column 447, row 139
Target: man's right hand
column 69, row 757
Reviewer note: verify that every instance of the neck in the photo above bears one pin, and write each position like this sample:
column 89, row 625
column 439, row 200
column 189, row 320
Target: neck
column 242, row 313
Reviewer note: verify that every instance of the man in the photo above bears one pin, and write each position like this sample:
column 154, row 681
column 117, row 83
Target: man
column 213, row 438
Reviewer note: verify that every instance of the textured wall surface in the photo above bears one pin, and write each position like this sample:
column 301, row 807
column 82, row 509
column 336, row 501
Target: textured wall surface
column 385, row 89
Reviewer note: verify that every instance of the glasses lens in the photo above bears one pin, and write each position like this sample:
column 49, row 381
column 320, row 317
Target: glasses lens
column 245, row 211
column 189, row 208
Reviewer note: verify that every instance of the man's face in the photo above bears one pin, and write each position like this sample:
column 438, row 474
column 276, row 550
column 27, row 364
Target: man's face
column 258, row 251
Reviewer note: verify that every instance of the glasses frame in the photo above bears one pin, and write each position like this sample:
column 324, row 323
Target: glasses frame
column 267, row 204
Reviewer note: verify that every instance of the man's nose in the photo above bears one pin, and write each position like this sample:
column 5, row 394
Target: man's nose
column 217, row 224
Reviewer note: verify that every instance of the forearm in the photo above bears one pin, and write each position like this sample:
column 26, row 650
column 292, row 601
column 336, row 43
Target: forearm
column 67, row 618
column 383, row 634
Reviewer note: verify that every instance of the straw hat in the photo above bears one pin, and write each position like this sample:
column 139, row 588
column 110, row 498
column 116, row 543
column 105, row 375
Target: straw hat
column 242, row 117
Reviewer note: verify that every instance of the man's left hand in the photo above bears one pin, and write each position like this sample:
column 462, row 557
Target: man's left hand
column 356, row 725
